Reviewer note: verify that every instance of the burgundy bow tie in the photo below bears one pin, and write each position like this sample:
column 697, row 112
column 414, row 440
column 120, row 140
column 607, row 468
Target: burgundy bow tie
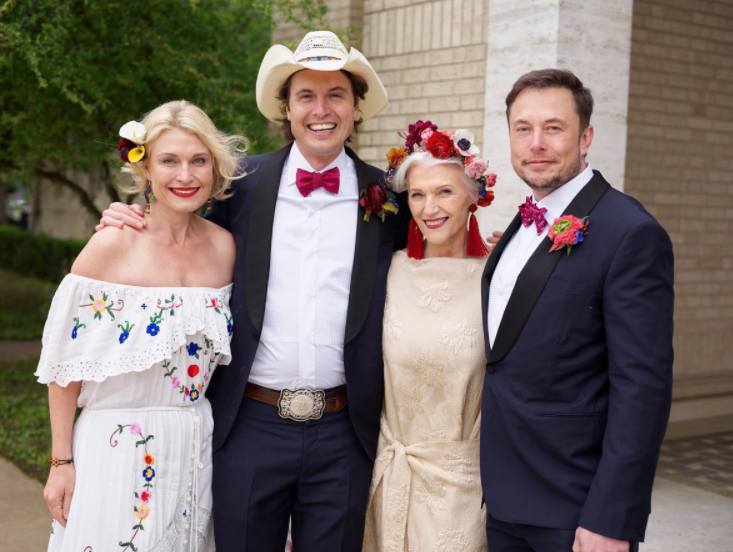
column 307, row 181
column 531, row 213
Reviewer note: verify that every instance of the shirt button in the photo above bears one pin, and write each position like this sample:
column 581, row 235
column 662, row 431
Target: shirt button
column 491, row 369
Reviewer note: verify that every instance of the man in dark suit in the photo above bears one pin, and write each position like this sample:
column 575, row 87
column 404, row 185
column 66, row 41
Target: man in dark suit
column 296, row 413
column 578, row 340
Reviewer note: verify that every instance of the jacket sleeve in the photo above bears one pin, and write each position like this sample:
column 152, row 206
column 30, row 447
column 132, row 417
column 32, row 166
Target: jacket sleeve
column 638, row 305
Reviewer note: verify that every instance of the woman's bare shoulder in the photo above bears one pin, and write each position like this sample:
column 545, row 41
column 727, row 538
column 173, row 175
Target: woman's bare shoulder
column 105, row 254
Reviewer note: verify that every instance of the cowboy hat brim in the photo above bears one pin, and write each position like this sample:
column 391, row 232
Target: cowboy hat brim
column 279, row 63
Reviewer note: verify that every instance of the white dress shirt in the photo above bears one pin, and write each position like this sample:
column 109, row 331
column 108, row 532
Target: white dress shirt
column 312, row 254
column 523, row 244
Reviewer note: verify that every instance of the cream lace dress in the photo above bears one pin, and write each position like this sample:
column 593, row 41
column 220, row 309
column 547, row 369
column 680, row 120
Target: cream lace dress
column 426, row 488
column 142, row 443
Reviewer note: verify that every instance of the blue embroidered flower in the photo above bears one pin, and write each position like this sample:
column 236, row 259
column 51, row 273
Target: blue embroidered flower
column 192, row 348
column 123, row 337
column 230, row 328
column 75, row 330
column 143, row 306
column 148, row 473
column 126, row 329
column 153, row 329
column 194, row 395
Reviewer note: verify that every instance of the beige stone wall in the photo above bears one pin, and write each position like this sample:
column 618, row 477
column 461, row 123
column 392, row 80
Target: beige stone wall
column 431, row 57
column 680, row 166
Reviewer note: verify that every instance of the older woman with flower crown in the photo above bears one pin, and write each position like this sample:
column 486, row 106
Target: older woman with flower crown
column 133, row 337
column 426, row 489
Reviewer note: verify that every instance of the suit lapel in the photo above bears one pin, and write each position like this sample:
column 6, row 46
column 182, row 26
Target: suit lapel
column 533, row 277
column 365, row 258
column 259, row 236
column 489, row 273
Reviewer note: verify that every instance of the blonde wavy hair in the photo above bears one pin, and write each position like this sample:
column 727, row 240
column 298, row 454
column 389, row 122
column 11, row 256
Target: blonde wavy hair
column 226, row 150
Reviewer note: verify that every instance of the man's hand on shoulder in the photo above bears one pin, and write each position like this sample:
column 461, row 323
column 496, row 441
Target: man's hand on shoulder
column 120, row 215
column 587, row 541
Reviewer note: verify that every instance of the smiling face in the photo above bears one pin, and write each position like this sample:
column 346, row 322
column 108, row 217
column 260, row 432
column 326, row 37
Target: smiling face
column 321, row 110
column 181, row 170
column 439, row 202
column 548, row 148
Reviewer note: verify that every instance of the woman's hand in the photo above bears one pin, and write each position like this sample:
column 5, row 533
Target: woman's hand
column 120, row 214
column 59, row 491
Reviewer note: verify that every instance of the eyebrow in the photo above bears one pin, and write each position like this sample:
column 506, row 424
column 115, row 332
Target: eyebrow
column 202, row 154
column 308, row 90
column 553, row 120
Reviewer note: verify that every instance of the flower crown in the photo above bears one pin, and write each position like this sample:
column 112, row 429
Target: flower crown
column 425, row 136
column 131, row 146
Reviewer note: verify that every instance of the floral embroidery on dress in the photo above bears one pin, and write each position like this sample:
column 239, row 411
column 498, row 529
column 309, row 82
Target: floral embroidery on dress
column 410, row 400
column 430, row 492
column 192, row 349
column 458, row 336
column 392, row 326
column 431, row 369
column 214, row 303
column 75, row 329
column 451, row 540
column 458, row 465
column 103, row 304
column 435, row 295
column 230, row 324
column 142, row 510
column 126, row 329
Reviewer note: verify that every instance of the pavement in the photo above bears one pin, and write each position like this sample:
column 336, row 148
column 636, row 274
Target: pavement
column 684, row 518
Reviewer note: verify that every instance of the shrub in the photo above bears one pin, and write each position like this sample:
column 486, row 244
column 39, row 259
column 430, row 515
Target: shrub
column 37, row 255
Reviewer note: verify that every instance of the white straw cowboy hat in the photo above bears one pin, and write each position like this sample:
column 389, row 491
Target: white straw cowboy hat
column 320, row 51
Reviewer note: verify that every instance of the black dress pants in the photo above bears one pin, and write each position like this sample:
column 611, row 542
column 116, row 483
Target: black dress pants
column 271, row 470
column 515, row 537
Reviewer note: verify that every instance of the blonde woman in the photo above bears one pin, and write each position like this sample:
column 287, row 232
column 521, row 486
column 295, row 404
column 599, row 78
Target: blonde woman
column 133, row 337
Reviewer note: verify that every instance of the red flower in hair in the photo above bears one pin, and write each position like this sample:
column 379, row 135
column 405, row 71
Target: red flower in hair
column 440, row 146
column 124, row 146
column 487, row 200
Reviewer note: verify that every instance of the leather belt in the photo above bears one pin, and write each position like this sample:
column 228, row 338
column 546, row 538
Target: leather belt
column 299, row 404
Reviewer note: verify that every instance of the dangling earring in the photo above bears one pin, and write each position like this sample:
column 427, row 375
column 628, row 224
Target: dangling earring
column 415, row 245
column 208, row 204
column 475, row 244
column 149, row 197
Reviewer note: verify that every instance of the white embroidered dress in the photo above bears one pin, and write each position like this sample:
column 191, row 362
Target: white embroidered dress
column 426, row 487
column 142, row 443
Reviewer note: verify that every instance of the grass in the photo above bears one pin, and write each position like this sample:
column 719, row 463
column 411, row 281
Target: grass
column 24, row 304
column 25, row 431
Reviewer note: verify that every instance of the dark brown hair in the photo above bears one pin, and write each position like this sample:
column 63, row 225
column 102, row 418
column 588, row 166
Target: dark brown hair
column 555, row 78
column 359, row 87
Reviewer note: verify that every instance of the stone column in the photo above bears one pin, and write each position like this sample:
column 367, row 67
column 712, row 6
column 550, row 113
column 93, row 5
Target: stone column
column 592, row 38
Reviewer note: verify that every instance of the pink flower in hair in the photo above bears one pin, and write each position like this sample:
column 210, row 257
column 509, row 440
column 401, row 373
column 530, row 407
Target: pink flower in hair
column 477, row 168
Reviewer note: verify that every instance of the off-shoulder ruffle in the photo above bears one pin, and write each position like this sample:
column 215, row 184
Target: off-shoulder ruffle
column 84, row 337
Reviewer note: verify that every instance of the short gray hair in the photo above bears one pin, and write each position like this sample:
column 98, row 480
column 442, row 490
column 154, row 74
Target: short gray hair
column 425, row 160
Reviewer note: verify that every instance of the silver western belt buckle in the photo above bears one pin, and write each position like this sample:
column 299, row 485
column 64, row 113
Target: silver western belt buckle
column 301, row 404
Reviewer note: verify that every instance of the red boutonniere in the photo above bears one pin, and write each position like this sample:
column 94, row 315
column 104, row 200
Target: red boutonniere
column 377, row 199
column 567, row 231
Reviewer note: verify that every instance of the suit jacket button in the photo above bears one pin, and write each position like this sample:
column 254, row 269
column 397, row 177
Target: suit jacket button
column 491, row 369
column 641, row 532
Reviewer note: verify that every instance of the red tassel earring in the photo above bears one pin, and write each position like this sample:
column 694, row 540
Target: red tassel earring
column 475, row 244
column 415, row 246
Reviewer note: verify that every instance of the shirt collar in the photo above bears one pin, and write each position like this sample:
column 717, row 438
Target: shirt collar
column 558, row 201
column 296, row 161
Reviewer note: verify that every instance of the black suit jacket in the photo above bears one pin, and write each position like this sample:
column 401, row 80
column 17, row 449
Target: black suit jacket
column 249, row 216
column 578, row 385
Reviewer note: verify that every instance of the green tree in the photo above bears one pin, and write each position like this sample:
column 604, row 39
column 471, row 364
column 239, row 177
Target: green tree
column 73, row 71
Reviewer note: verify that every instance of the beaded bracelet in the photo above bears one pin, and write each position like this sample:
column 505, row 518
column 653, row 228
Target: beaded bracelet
column 55, row 462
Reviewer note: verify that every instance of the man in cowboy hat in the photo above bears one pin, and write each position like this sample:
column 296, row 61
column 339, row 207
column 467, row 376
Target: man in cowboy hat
column 297, row 412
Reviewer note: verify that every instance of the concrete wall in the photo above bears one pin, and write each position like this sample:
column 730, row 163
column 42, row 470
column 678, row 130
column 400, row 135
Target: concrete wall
column 680, row 166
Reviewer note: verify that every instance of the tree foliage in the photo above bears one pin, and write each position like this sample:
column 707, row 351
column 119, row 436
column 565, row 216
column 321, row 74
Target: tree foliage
column 73, row 71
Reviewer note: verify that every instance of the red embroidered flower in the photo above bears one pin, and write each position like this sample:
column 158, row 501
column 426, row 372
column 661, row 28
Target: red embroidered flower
column 193, row 371
column 373, row 199
column 144, row 497
column 149, row 459
column 440, row 146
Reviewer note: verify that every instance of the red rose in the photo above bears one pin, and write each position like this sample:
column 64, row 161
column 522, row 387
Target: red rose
column 193, row 371
column 490, row 180
column 440, row 146
column 487, row 200
column 124, row 146
column 373, row 198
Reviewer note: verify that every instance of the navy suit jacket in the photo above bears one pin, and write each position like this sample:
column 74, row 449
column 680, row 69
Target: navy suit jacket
column 578, row 385
column 249, row 216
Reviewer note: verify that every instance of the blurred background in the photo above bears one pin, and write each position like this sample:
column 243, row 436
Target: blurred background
column 661, row 71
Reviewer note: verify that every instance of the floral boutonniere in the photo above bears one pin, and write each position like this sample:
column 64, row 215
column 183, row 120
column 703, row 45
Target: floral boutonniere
column 567, row 231
column 376, row 198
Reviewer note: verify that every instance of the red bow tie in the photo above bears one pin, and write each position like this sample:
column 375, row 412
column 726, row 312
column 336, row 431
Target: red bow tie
column 531, row 213
column 307, row 181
